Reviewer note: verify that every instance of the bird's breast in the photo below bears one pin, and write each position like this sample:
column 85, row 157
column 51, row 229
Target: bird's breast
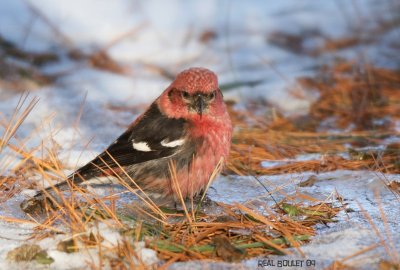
column 212, row 143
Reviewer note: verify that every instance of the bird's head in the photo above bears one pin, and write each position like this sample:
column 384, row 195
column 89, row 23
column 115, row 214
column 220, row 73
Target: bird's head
column 193, row 94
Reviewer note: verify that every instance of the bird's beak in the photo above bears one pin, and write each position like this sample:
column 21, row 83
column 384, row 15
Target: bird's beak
column 199, row 104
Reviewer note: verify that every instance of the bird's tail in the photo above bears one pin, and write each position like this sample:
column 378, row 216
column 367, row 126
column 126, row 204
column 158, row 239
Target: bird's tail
column 32, row 204
column 77, row 178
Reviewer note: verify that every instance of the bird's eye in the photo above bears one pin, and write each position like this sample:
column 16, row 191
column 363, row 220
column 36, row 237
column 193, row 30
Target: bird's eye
column 185, row 95
column 211, row 96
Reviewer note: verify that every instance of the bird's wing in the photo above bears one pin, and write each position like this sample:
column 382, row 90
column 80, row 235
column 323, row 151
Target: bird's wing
column 153, row 136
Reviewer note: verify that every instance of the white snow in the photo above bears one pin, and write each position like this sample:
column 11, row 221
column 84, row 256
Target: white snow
column 364, row 192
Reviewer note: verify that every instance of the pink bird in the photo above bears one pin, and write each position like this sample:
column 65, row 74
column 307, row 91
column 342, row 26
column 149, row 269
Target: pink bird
column 188, row 125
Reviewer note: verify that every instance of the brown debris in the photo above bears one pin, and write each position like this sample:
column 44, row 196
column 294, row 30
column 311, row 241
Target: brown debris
column 309, row 182
column 225, row 250
column 26, row 252
column 207, row 36
column 395, row 186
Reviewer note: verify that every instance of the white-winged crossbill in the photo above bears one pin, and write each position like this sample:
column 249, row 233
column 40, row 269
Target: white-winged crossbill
column 187, row 125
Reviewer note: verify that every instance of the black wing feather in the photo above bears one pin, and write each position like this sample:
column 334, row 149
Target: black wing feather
column 153, row 128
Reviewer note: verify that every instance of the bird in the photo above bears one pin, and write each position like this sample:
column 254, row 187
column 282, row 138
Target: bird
column 188, row 125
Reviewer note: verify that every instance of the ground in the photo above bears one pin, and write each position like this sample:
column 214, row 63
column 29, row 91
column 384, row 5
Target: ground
column 94, row 72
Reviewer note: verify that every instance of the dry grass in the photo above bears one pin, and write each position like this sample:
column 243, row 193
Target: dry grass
column 366, row 103
column 360, row 102
column 245, row 228
column 358, row 96
column 176, row 236
column 236, row 231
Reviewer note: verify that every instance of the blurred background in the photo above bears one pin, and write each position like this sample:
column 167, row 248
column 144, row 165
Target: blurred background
column 273, row 58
